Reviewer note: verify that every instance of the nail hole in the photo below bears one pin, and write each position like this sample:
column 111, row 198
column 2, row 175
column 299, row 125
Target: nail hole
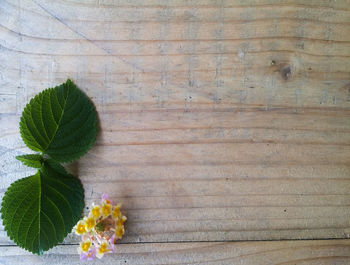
column 286, row 72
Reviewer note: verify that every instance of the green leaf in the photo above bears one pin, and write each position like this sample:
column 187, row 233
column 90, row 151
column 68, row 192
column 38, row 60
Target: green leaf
column 32, row 160
column 56, row 166
column 39, row 211
column 60, row 122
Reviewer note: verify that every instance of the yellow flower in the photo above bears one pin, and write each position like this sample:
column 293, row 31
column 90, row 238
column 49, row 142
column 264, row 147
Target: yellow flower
column 84, row 246
column 99, row 230
column 80, row 228
column 96, row 211
column 104, row 248
column 116, row 211
column 106, row 209
column 89, row 223
column 119, row 232
column 121, row 221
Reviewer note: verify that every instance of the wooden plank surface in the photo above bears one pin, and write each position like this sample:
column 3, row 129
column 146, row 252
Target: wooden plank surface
column 252, row 253
column 219, row 120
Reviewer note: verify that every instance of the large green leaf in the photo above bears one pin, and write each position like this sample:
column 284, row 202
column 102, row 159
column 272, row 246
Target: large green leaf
column 60, row 122
column 40, row 210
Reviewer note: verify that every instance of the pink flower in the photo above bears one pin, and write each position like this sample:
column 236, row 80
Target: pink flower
column 105, row 198
column 111, row 242
column 90, row 255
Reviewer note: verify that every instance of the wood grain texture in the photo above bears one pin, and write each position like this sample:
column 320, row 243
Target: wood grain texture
column 219, row 120
column 335, row 252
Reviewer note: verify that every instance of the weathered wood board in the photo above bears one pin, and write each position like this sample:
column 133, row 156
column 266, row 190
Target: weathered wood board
column 219, row 120
column 312, row 252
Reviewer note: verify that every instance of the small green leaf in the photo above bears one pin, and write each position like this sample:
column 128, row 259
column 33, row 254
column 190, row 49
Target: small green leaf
column 60, row 122
column 40, row 210
column 31, row 160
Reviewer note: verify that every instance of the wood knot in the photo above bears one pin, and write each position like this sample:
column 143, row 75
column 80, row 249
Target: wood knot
column 347, row 89
column 286, row 72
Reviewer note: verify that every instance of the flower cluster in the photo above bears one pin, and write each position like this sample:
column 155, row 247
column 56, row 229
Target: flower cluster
column 100, row 229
